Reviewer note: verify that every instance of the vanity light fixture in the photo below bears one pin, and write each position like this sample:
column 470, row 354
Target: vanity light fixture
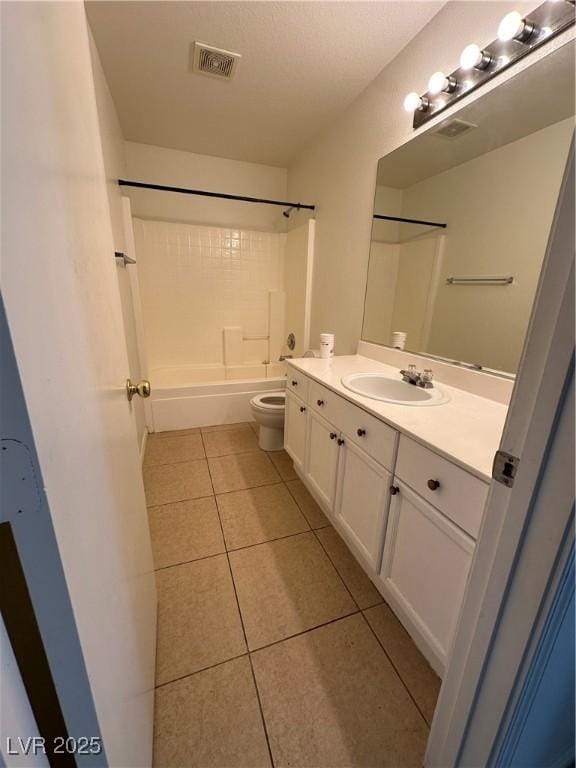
column 515, row 27
column 440, row 82
column 518, row 36
column 473, row 57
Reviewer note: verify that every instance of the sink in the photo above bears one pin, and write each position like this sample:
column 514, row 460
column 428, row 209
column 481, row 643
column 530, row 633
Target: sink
column 378, row 386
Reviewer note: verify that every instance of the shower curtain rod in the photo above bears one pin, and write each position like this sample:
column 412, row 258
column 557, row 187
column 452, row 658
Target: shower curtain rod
column 409, row 221
column 221, row 195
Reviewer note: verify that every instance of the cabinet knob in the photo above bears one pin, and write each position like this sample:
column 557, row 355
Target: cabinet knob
column 433, row 484
column 340, row 441
column 394, row 490
column 333, row 435
column 360, row 432
column 320, row 402
column 294, row 383
column 302, row 409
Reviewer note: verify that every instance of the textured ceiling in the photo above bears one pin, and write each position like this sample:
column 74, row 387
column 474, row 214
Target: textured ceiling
column 302, row 64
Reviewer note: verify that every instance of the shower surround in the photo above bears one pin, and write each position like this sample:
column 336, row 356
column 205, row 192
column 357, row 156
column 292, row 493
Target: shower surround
column 213, row 300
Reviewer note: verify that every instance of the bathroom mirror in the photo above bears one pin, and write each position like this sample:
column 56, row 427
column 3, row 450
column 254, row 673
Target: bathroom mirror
column 462, row 215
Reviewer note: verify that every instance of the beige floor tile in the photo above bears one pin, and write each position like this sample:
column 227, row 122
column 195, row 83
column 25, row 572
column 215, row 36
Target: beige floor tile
column 229, row 441
column 210, row 720
column 331, row 699
column 242, row 470
column 225, row 427
column 168, row 450
column 167, row 483
column 285, row 587
column 255, row 426
column 175, row 433
column 283, row 464
column 259, row 514
column 186, row 530
column 418, row 676
column 362, row 589
column 198, row 620
column 310, row 509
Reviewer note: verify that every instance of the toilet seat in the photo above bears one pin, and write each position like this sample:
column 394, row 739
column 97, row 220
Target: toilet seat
column 269, row 401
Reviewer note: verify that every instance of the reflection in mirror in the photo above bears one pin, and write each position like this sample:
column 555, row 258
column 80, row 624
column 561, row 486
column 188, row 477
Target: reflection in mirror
column 471, row 202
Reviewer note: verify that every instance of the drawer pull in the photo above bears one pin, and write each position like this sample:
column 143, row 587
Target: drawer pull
column 333, row 435
column 320, row 402
column 340, row 441
column 360, row 432
column 394, row 490
column 433, row 484
column 302, row 409
column 294, row 383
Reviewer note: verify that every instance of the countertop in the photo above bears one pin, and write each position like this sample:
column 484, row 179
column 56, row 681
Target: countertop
column 466, row 429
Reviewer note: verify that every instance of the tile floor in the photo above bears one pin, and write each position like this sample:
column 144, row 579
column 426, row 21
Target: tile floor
column 274, row 648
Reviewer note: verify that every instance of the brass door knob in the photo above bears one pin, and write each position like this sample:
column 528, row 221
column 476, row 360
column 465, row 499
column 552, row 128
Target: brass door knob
column 142, row 388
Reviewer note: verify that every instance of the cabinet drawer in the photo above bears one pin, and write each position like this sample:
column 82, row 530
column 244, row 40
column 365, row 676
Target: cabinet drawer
column 298, row 383
column 459, row 495
column 371, row 434
column 326, row 403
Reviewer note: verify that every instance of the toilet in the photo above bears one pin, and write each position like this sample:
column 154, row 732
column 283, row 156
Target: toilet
column 268, row 410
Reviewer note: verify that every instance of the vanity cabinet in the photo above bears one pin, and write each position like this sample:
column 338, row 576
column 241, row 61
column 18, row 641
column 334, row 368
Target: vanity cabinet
column 409, row 515
column 424, row 570
column 295, row 422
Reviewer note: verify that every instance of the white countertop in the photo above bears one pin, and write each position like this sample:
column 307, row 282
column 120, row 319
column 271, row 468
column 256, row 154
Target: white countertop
column 466, row 429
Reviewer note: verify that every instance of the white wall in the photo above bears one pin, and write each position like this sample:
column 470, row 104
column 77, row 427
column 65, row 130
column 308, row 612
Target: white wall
column 338, row 171
column 194, row 281
column 214, row 174
column 115, row 167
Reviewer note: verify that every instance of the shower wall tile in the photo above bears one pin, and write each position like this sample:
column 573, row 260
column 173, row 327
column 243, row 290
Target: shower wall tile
column 197, row 280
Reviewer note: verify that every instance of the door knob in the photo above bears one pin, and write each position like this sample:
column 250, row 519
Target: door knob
column 142, row 388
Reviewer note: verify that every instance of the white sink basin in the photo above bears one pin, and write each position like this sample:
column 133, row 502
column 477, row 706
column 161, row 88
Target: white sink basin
column 380, row 387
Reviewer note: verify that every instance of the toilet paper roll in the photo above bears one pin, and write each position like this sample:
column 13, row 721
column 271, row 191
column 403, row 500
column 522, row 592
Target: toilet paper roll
column 399, row 339
column 326, row 345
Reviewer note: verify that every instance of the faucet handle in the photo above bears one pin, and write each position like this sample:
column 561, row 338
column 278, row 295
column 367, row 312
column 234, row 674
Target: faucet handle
column 412, row 370
column 427, row 374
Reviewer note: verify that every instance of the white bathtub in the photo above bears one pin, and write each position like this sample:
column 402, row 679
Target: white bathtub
column 199, row 396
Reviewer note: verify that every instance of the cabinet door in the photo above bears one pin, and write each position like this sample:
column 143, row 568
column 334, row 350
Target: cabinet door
column 322, row 460
column 295, row 430
column 424, row 570
column 362, row 503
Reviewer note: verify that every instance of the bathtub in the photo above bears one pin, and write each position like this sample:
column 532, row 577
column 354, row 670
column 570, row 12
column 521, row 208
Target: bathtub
column 200, row 396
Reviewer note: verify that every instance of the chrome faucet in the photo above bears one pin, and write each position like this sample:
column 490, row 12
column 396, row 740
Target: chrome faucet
column 420, row 379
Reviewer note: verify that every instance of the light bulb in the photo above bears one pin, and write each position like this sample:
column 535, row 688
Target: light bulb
column 473, row 57
column 412, row 102
column 439, row 82
column 514, row 27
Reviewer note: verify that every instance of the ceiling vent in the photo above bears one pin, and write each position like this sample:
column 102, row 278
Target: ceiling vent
column 452, row 129
column 215, row 62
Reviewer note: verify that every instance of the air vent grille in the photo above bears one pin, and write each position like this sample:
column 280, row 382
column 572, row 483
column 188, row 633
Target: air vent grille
column 215, row 62
column 452, row 129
